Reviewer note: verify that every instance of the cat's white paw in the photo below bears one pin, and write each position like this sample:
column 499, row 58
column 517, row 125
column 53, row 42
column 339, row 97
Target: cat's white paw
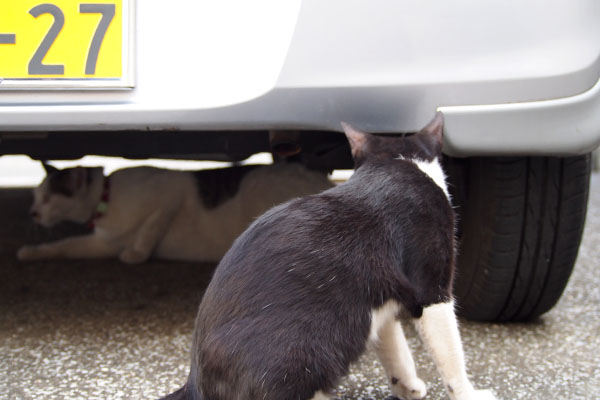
column 467, row 392
column 28, row 253
column 415, row 389
column 473, row 395
column 131, row 256
column 484, row 395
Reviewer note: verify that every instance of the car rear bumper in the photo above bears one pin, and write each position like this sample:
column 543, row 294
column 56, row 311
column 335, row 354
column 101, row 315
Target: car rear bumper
column 566, row 126
column 510, row 76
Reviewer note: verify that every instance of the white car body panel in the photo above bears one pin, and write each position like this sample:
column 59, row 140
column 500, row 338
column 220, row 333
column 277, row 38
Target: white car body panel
column 512, row 77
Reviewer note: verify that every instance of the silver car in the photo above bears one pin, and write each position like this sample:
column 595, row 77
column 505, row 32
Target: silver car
column 518, row 83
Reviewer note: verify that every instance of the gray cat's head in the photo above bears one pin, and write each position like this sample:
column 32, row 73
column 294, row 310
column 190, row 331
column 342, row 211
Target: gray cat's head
column 62, row 196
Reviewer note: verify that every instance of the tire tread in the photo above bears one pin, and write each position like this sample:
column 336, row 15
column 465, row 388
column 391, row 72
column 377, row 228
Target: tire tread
column 521, row 224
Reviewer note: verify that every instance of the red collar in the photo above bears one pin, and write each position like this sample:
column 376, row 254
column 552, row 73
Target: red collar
column 102, row 206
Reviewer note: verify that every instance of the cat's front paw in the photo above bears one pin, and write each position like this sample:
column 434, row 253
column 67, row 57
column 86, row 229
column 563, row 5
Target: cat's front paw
column 470, row 394
column 415, row 389
column 131, row 256
column 484, row 395
column 29, row 253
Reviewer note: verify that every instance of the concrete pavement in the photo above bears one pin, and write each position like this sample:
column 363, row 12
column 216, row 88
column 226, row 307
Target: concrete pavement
column 104, row 330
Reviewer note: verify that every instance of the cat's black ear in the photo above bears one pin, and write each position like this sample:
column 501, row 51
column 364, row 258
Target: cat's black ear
column 68, row 181
column 435, row 128
column 356, row 138
column 77, row 178
column 49, row 168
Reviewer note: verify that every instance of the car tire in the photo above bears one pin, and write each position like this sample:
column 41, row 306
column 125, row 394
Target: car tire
column 520, row 223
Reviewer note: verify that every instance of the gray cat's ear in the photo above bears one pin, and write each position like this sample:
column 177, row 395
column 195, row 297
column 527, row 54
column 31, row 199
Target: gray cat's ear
column 435, row 128
column 49, row 168
column 356, row 138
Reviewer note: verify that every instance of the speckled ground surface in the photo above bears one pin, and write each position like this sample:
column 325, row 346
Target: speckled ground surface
column 103, row 330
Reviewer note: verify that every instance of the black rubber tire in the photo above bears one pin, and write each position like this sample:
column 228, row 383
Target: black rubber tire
column 520, row 225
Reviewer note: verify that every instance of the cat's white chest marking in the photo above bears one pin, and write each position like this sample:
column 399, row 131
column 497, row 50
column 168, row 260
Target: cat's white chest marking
column 434, row 170
column 380, row 316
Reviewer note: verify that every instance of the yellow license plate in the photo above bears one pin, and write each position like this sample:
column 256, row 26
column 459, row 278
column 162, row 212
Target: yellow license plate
column 66, row 44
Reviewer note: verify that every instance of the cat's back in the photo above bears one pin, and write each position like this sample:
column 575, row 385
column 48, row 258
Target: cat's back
column 151, row 181
column 145, row 173
column 257, row 187
column 382, row 200
column 380, row 213
column 137, row 192
column 216, row 186
column 275, row 183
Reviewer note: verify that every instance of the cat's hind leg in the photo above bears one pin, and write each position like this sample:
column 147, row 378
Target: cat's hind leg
column 438, row 329
column 146, row 238
column 321, row 396
column 394, row 354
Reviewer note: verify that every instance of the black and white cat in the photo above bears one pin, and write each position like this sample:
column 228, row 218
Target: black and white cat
column 311, row 283
column 177, row 215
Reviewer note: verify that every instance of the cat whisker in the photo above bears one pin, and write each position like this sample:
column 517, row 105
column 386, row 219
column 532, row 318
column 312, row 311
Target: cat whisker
column 265, row 307
column 263, row 378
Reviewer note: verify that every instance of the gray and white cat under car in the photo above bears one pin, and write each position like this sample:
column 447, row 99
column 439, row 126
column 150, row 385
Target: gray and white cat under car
column 141, row 212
